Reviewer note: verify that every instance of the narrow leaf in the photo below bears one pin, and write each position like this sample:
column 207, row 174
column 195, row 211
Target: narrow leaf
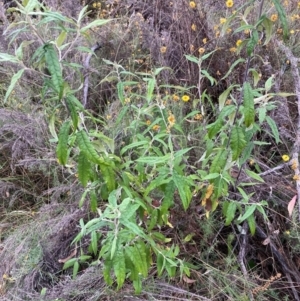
column 84, row 168
column 54, row 67
column 274, row 128
column 62, row 150
column 13, row 82
column 119, row 267
column 291, row 205
column 249, row 112
column 230, row 213
column 237, row 142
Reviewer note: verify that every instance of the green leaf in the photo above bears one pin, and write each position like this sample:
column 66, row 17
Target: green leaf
column 113, row 247
column 106, row 271
column 230, row 213
column 183, row 189
column 219, row 162
column 93, row 201
column 84, row 168
column 240, row 60
column 154, row 160
column 72, row 111
column 108, row 176
column 249, row 111
column 274, row 128
column 95, row 23
column 252, row 224
column 13, row 82
column 87, row 147
column 254, row 175
column 160, row 263
column 150, row 89
column 192, row 58
column 282, row 18
column 120, row 90
column 209, row 77
column 214, row 128
column 252, row 42
column 249, row 211
column 137, row 284
column 237, row 142
column 211, row 176
column 62, row 150
column 4, row 57
column 268, row 25
column 119, row 267
column 69, row 263
column 54, row 67
column 75, row 269
column 137, row 255
column 61, row 38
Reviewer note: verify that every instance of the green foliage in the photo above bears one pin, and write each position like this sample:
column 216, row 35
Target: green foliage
column 132, row 186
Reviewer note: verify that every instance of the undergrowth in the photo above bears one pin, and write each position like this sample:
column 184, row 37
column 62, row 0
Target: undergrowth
column 149, row 148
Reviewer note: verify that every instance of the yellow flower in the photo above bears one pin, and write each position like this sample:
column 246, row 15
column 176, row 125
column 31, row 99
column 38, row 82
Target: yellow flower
column 229, row 3
column 192, row 4
column 156, row 128
column 175, row 97
column 171, row 120
column 232, row 49
column 94, row 5
column 238, row 43
column 292, row 31
column 201, row 50
column 99, row 4
column 108, row 117
column 222, row 20
column 148, row 122
column 163, row 49
column 285, row 158
column 185, row 98
column 274, row 17
column 193, row 27
column 296, row 177
column 228, row 30
column 204, row 41
column 198, row 117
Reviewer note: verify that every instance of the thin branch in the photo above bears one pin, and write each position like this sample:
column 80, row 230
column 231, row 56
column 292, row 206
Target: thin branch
column 296, row 148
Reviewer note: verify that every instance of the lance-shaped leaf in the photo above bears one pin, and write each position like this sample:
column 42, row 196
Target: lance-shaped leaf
column 54, row 67
column 249, row 112
column 62, row 150
column 84, row 169
column 237, row 142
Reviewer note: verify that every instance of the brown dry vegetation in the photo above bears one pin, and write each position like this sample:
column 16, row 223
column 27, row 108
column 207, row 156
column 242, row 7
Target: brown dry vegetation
column 39, row 214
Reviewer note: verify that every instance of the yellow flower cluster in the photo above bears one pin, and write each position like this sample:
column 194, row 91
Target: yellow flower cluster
column 229, row 3
column 185, row 98
column 285, row 158
column 163, row 49
column 192, row 4
column 238, row 43
column 274, row 17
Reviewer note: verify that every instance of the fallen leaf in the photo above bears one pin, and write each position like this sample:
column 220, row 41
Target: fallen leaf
column 187, row 279
column 291, row 205
column 69, row 257
column 266, row 241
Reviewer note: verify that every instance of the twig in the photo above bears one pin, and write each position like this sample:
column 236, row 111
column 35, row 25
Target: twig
column 273, row 169
column 242, row 253
column 86, row 65
column 296, row 148
column 282, row 261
